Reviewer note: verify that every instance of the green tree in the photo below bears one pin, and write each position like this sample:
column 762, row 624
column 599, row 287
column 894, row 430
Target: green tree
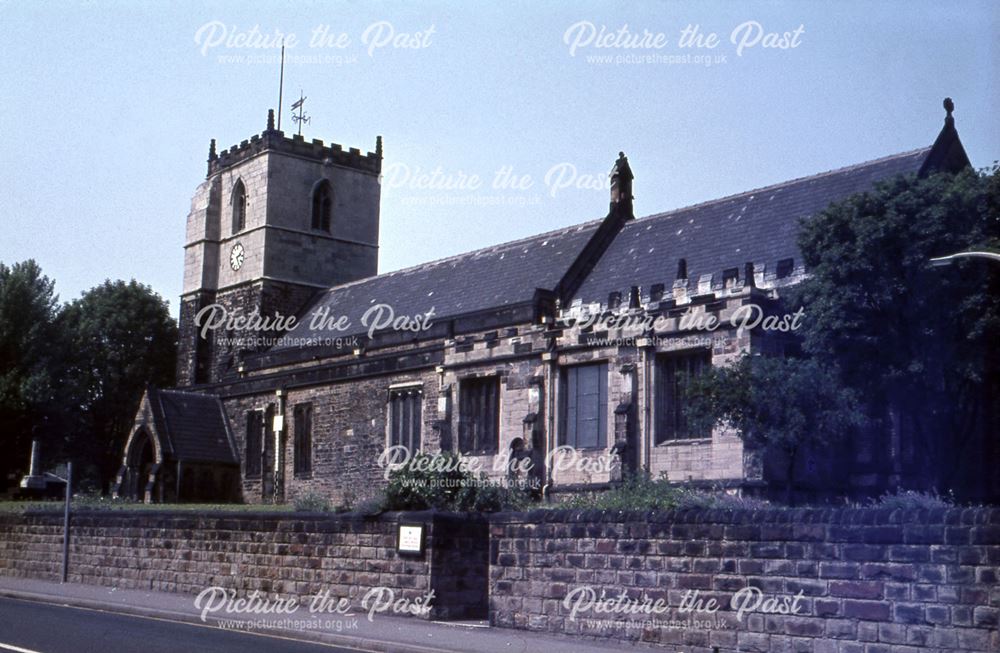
column 918, row 343
column 119, row 337
column 27, row 379
column 777, row 405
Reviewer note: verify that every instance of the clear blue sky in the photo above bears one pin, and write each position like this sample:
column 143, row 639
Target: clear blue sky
column 108, row 108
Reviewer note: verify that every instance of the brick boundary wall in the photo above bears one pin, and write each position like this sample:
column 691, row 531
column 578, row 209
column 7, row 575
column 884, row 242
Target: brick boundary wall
column 286, row 554
column 872, row 580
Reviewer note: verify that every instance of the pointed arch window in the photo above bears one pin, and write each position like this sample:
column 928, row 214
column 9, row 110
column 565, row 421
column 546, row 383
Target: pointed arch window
column 239, row 206
column 322, row 205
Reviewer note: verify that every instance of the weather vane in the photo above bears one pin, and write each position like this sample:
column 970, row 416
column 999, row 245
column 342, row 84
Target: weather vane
column 301, row 117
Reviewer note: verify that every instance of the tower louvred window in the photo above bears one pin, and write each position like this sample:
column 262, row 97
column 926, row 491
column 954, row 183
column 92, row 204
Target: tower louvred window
column 322, row 206
column 239, row 206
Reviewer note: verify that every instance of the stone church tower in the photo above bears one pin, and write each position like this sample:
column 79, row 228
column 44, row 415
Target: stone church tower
column 276, row 220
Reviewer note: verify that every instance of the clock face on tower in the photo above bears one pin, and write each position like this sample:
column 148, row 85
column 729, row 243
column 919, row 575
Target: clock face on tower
column 236, row 256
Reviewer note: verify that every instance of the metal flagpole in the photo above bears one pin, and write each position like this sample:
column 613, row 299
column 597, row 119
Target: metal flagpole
column 281, row 82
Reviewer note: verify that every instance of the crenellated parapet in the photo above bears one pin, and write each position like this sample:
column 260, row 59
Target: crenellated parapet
column 272, row 139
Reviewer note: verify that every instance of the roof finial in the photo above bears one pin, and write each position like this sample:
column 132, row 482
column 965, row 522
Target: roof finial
column 378, row 146
column 270, row 120
column 621, row 186
column 949, row 106
column 212, row 156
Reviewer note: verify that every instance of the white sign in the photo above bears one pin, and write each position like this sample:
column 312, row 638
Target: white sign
column 411, row 538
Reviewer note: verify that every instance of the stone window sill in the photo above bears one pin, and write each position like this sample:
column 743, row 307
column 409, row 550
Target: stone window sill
column 684, row 441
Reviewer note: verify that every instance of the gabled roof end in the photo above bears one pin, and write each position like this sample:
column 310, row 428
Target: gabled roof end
column 947, row 154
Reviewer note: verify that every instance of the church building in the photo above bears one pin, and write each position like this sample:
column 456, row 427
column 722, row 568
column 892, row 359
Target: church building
column 570, row 349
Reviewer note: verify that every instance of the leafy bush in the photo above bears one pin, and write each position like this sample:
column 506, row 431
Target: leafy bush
column 439, row 481
column 95, row 501
column 910, row 500
column 311, row 502
column 132, row 506
column 487, row 496
column 720, row 501
column 642, row 493
column 780, row 405
column 370, row 506
column 635, row 493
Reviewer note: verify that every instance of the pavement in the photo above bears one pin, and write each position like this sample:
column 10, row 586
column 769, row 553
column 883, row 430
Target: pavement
column 30, row 627
column 148, row 617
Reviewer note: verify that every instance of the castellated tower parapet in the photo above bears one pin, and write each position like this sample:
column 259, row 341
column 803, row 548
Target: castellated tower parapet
column 295, row 145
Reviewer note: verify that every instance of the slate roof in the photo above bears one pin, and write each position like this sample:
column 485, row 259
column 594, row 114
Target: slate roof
column 485, row 279
column 758, row 226
column 193, row 425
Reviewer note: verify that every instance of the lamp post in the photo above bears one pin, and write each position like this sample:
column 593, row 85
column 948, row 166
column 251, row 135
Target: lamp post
column 943, row 261
column 68, row 500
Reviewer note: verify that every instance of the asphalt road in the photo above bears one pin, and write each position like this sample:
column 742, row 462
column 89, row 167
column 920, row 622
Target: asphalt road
column 29, row 627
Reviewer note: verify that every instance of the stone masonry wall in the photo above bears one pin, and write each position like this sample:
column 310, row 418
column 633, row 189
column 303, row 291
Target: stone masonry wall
column 290, row 555
column 348, row 436
column 812, row 580
column 871, row 581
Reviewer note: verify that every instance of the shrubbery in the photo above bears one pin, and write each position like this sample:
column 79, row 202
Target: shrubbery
column 311, row 502
column 412, row 489
column 437, row 481
column 910, row 500
column 642, row 493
